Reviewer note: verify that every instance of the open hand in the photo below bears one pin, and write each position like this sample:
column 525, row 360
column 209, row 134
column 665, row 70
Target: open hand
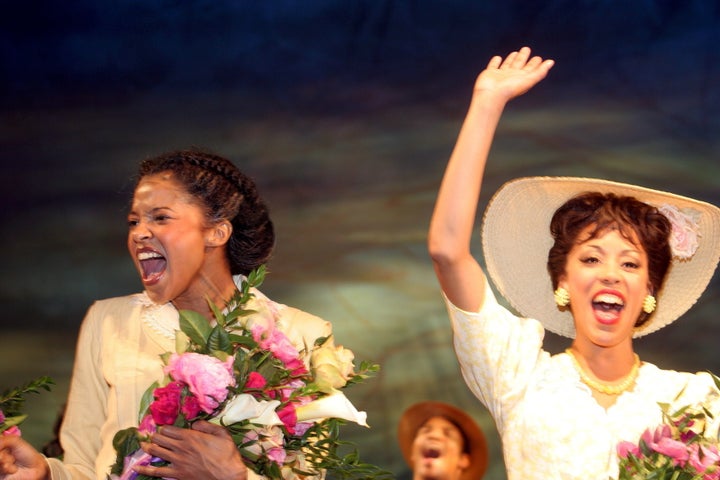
column 514, row 75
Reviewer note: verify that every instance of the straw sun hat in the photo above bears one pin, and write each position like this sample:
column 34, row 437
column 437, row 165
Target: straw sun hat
column 516, row 241
column 416, row 415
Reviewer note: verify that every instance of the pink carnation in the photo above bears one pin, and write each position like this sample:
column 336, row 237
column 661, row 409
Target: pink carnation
column 255, row 381
column 164, row 409
column 289, row 417
column 207, row 377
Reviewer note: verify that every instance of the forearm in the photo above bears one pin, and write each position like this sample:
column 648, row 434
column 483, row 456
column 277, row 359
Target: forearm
column 455, row 211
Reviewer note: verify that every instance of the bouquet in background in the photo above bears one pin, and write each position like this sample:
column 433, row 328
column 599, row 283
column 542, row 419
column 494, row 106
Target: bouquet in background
column 12, row 402
column 680, row 448
column 245, row 374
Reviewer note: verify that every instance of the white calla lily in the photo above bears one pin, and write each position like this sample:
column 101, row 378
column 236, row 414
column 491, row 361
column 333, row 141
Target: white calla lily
column 336, row 405
column 246, row 407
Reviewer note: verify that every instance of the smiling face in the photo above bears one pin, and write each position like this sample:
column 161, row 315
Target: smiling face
column 168, row 239
column 437, row 451
column 607, row 279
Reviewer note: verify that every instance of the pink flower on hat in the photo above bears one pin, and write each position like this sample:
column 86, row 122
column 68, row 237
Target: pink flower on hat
column 685, row 230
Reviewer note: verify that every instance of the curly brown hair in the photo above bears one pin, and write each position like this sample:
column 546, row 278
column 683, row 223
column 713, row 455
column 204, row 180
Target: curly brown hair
column 225, row 193
column 632, row 218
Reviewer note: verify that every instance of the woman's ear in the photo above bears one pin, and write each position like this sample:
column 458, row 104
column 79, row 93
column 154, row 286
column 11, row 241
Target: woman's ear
column 219, row 234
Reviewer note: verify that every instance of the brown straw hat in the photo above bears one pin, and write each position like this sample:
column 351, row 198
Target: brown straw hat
column 416, row 415
column 516, row 241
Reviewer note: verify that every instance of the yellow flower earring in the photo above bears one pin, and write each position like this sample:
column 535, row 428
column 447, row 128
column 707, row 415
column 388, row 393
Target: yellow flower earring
column 649, row 304
column 562, row 297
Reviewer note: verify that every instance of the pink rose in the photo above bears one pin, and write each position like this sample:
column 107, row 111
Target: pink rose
column 207, row 377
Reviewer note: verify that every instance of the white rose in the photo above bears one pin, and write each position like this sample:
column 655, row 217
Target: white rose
column 331, row 366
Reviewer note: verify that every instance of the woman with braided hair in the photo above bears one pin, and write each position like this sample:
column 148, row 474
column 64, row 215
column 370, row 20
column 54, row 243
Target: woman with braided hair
column 196, row 225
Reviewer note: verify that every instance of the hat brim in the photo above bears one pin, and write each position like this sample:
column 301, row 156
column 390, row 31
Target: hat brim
column 516, row 241
column 419, row 413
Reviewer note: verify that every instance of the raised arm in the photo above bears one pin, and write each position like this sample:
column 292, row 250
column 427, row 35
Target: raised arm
column 459, row 274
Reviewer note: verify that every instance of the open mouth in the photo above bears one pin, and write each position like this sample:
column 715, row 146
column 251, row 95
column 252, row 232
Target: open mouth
column 608, row 306
column 431, row 453
column 152, row 265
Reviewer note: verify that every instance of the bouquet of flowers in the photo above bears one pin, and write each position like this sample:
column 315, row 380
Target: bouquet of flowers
column 680, row 448
column 12, row 401
column 244, row 374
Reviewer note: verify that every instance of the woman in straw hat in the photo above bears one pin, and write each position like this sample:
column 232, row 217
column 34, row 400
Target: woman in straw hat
column 622, row 261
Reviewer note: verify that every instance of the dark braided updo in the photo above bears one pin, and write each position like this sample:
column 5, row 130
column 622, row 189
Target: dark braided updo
column 225, row 193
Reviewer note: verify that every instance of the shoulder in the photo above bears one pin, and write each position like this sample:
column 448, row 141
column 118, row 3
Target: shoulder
column 678, row 386
column 126, row 302
column 296, row 322
column 115, row 309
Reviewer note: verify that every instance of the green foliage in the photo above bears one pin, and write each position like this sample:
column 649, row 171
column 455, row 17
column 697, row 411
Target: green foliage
column 12, row 400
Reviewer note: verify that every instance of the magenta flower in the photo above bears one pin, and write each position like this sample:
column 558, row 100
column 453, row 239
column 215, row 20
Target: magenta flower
column 276, row 342
column 255, row 381
column 625, row 448
column 704, row 457
column 147, row 425
column 674, row 449
column 166, row 406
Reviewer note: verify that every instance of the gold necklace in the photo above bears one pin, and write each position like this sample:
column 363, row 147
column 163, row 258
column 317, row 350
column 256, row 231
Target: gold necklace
column 615, row 389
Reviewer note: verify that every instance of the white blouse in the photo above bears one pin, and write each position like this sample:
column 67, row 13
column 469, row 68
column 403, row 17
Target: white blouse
column 550, row 425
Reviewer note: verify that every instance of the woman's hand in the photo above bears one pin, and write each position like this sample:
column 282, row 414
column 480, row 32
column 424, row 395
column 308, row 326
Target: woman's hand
column 206, row 451
column 514, row 75
column 20, row 461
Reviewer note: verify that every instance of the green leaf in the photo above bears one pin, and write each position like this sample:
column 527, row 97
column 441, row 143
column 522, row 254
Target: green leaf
column 12, row 399
column 125, row 442
column 195, row 326
column 217, row 313
column 12, row 421
column 145, row 401
column 219, row 340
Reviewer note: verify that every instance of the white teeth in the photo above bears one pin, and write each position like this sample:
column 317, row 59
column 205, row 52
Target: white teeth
column 148, row 255
column 608, row 298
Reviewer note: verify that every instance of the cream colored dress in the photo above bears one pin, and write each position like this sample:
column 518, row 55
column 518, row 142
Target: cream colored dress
column 117, row 359
column 549, row 423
